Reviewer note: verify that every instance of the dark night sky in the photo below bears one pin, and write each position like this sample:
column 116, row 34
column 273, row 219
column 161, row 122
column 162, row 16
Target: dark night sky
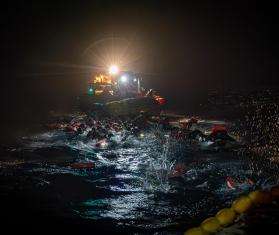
column 190, row 46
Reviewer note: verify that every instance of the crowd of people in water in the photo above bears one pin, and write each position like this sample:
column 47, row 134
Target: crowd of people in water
column 98, row 132
column 100, row 128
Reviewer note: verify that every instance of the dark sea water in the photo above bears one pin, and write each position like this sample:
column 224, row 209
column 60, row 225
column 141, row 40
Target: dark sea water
column 139, row 184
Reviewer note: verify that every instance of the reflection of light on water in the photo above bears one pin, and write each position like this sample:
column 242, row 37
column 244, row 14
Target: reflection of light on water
column 117, row 137
column 132, row 181
column 54, row 170
column 47, row 139
column 122, row 207
column 126, row 206
column 103, row 160
column 130, row 159
column 83, row 146
column 125, row 188
column 158, row 171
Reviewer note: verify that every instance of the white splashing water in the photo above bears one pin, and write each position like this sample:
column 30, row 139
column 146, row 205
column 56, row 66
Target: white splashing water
column 158, row 171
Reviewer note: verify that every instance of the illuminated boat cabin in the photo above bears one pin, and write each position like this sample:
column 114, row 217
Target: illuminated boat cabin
column 125, row 84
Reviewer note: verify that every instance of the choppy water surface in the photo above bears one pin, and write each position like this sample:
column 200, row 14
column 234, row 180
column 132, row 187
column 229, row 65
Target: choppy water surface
column 144, row 183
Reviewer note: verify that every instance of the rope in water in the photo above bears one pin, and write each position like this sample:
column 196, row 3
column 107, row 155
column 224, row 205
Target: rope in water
column 241, row 205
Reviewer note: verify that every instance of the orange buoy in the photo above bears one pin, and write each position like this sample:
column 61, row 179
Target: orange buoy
column 196, row 231
column 211, row 225
column 242, row 204
column 260, row 197
column 226, row 216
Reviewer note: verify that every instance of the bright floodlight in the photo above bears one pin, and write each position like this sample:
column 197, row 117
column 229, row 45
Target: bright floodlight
column 113, row 70
column 123, row 78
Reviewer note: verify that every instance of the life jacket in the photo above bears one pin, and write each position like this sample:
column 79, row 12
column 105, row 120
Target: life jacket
column 216, row 129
